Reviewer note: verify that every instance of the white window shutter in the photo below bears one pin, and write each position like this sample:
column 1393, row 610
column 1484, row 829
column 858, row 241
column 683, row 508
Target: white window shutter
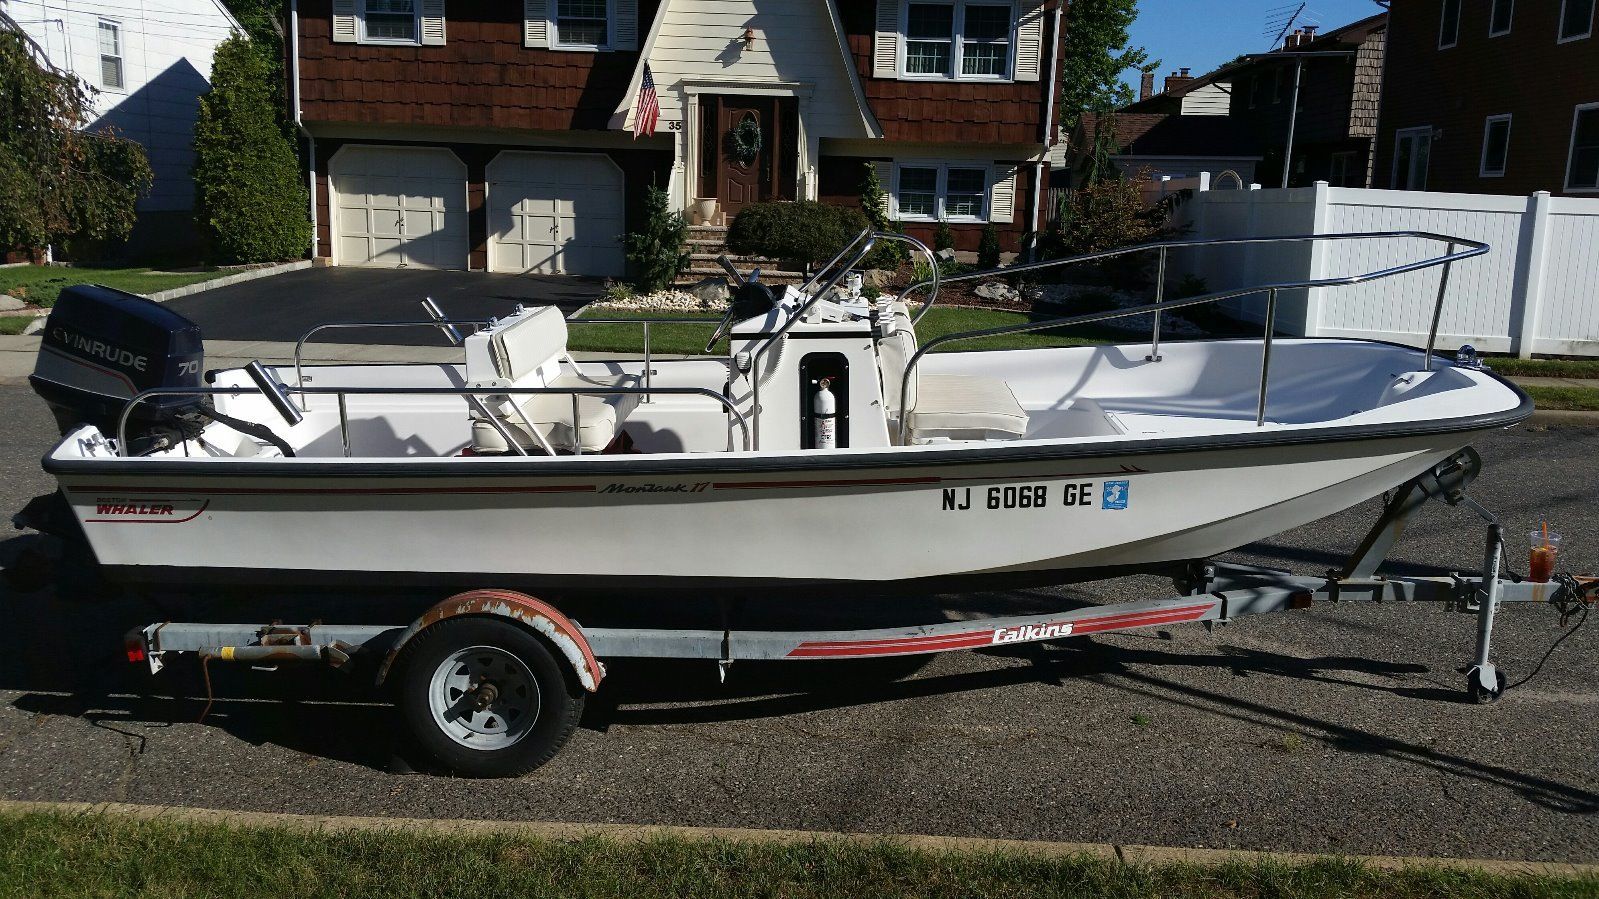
column 625, row 29
column 1002, row 195
column 885, row 177
column 1030, row 41
column 885, row 43
column 535, row 23
column 432, row 23
column 344, row 28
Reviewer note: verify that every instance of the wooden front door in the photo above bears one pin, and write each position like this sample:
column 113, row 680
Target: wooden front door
column 742, row 175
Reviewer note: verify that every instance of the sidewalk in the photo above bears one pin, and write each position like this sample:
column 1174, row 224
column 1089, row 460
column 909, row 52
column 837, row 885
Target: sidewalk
column 16, row 363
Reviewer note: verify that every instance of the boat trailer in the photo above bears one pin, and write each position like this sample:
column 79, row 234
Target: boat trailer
column 1208, row 592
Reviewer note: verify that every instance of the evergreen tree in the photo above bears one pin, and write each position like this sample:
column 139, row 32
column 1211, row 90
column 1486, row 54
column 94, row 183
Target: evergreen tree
column 250, row 199
column 656, row 251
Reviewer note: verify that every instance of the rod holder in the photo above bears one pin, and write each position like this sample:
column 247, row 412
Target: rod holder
column 275, row 392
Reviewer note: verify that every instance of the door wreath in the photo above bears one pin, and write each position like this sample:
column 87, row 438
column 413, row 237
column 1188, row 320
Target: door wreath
column 746, row 140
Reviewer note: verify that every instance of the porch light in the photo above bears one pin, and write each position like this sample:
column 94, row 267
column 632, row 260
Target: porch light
column 749, row 37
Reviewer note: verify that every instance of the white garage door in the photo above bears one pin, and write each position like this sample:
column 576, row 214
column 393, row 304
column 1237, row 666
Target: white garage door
column 555, row 213
column 400, row 206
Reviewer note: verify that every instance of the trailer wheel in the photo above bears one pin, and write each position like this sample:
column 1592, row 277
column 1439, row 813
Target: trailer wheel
column 1483, row 695
column 486, row 698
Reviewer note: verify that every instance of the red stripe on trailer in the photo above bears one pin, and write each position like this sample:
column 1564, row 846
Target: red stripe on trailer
column 985, row 637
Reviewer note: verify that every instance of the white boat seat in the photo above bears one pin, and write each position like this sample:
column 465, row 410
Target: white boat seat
column 956, row 407
column 529, row 350
column 964, row 407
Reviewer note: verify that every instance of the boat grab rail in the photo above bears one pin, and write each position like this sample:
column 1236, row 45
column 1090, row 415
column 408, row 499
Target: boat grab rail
column 474, row 394
column 434, row 323
column 1451, row 255
column 649, row 369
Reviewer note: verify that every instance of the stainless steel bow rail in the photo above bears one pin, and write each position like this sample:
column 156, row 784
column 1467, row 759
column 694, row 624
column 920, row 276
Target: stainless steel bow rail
column 1206, row 592
column 1161, row 304
column 471, row 393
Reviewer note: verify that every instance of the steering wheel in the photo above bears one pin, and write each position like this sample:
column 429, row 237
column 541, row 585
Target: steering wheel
column 751, row 299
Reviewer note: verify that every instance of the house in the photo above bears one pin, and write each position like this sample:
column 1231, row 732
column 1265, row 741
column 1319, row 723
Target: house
column 478, row 135
column 148, row 64
column 1178, row 133
column 1492, row 96
column 1339, row 83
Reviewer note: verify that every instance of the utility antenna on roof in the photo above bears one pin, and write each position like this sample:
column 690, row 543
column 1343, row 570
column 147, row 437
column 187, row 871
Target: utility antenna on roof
column 1279, row 20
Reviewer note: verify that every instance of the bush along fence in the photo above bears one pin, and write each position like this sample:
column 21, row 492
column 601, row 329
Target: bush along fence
column 1531, row 294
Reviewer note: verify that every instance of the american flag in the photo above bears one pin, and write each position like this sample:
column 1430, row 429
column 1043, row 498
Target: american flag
column 648, row 111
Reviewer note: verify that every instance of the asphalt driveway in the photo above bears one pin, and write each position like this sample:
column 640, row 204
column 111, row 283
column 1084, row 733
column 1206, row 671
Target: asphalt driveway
column 283, row 307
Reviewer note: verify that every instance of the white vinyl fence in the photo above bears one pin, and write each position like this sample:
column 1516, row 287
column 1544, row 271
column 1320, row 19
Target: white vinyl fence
column 1537, row 290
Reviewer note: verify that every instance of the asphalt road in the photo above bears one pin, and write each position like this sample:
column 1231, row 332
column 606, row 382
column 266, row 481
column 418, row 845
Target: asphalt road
column 283, row 307
column 1333, row 729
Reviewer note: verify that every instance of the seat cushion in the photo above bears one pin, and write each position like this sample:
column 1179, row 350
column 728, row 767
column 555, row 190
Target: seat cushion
column 600, row 417
column 965, row 405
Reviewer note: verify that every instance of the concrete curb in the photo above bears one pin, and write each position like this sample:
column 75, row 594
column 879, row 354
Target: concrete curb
column 161, row 296
column 1131, row 854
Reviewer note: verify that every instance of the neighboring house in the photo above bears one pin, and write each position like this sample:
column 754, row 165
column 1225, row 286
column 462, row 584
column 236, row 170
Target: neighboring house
column 1183, row 94
column 491, row 136
column 1492, row 96
column 1339, row 98
column 1176, row 146
column 148, row 64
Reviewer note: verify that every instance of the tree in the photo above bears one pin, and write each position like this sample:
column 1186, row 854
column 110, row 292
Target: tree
column 58, row 180
column 656, row 250
column 250, row 200
column 1096, row 56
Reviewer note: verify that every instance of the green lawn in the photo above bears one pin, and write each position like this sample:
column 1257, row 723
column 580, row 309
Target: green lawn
column 13, row 324
column 1569, row 399
column 43, row 283
column 690, row 338
column 1544, row 368
column 94, row 855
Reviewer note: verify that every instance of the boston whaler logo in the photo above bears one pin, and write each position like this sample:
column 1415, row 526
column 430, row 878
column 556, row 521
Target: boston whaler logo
column 120, row 510
column 1030, row 632
column 654, row 488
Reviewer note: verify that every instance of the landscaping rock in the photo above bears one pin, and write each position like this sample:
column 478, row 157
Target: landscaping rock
column 663, row 301
column 712, row 291
column 876, row 277
column 946, row 255
column 10, row 303
column 996, row 290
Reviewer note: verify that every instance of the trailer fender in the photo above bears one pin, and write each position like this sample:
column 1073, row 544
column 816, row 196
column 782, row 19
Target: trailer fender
column 530, row 612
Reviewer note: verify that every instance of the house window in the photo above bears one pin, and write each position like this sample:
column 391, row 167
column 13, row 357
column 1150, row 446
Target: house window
column 1576, row 19
column 1412, row 146
column 959, row 39
column 1257, row 89
column 1277, row 85
column 1449, row 25
column 1499, row 18
column 110, row 55
column 583, row 23
column 1495, row 145
column 1342, row 172
column 1582, row 167
column 934, row 192
column 389, row 21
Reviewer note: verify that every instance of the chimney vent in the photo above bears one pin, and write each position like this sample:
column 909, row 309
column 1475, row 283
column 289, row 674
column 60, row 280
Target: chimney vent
column 1146, row 86
column 1176, row 81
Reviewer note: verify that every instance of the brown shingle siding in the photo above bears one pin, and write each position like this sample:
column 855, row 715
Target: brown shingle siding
column 481, row 77
column 1525, row 73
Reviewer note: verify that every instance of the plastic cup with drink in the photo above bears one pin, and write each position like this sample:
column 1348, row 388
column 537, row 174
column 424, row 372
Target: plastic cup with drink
column 1541, row 560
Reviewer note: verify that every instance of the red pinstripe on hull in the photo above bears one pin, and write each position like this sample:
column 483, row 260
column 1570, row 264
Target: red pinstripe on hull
column 985, row 637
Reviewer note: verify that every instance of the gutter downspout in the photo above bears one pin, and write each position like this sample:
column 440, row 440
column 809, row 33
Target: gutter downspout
column 294, row 91
column 1049, row 128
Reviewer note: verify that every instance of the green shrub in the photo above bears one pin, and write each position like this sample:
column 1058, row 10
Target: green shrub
column 873, row 198
column 943, row 238
column 988, row 248
column 805, row 232
column 656, row 251
column 616, row 292
column 250, row 201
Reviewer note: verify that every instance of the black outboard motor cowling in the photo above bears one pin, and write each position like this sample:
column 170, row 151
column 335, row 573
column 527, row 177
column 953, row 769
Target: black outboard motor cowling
column 101, row 347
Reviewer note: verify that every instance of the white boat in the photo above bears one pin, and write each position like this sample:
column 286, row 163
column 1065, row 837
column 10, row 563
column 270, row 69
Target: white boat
column 525, row 468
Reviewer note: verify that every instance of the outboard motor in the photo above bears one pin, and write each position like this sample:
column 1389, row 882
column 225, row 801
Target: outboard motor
column 101, row 347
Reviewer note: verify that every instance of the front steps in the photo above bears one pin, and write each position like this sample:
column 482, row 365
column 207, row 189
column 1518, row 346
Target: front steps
column 707, row 242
